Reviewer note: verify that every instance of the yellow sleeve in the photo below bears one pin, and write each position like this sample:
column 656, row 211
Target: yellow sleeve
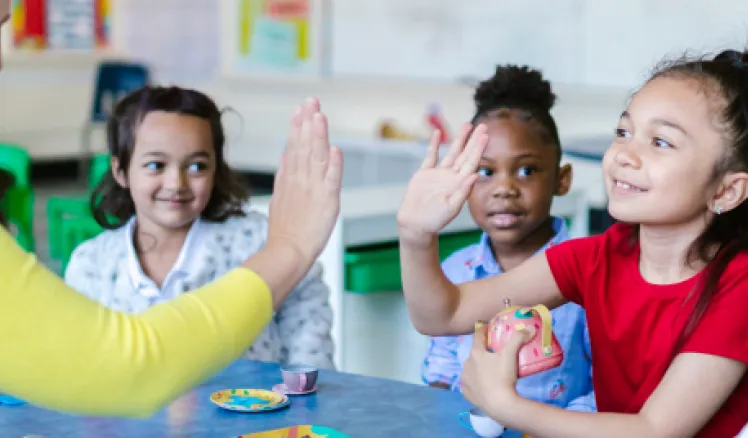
column 60, row 350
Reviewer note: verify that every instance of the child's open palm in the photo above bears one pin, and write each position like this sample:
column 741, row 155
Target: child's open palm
column 437, row 192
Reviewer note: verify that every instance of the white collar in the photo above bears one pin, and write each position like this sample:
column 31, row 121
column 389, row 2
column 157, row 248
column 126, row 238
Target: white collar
column 140, row 281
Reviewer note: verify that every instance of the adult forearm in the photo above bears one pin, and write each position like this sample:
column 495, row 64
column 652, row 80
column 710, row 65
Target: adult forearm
column 281, row 266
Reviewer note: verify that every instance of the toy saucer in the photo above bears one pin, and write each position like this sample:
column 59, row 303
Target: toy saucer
column 282, row 389
column 249, row 400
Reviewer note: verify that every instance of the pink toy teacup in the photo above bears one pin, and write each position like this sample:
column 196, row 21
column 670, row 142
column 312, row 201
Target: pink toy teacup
column 299, row 378
column 542, row 352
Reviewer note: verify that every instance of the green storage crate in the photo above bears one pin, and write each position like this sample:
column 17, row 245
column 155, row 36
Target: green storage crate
column 377, row 268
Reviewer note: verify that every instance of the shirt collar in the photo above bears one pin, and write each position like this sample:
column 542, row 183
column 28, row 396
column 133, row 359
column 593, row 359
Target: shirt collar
column 181, row 266
column 484, row 259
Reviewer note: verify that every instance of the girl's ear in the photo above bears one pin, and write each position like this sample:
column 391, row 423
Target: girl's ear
column 733, row 192
column 119, row 173
column 565, row 176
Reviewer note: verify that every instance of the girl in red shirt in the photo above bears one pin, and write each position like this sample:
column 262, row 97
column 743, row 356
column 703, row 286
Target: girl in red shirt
column 665, row 290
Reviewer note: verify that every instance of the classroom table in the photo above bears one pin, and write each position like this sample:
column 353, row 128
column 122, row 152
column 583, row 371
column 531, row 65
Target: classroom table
column 358, row 406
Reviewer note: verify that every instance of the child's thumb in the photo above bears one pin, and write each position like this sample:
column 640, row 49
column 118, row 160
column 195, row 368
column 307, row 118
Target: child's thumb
column 518, row 338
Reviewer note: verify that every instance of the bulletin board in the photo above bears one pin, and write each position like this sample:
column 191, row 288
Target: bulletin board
column 61, row 24
column 274, row 37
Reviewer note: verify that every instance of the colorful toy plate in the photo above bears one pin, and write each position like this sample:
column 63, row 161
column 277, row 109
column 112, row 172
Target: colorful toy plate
column 249, row 400
column 305, row 430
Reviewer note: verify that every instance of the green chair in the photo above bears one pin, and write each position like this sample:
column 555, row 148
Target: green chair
column 73, row 232
column 59, row 208
column 18, row 203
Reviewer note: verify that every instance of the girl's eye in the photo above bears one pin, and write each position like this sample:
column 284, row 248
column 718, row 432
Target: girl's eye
column 154, row 165
column 526, row 171
column 660, row 143
column 622, row 133
column 197, row 167
column 482, row 171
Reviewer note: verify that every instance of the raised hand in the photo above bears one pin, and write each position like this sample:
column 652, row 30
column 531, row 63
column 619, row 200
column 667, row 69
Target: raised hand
column 306, row 194
column 436, row 193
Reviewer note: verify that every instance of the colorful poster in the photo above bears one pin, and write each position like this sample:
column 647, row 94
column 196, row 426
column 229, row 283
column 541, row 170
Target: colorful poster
column 275, row 42
column 29, row 18
column 61, row 24
column 287, row 9
column 274, row 35
column 102, row 22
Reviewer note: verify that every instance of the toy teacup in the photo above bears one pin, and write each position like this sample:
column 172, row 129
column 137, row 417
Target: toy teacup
column 540, row 353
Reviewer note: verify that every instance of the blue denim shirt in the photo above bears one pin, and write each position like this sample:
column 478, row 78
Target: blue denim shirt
column 568, row 385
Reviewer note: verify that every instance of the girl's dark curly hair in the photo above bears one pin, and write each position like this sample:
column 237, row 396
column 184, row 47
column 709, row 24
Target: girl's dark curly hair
column 521, row 91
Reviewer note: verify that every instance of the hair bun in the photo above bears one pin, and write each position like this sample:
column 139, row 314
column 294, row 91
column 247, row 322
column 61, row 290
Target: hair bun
column 739, row 59
column 514, row 86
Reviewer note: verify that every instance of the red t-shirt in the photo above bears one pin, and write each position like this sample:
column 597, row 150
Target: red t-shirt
column 634, row 325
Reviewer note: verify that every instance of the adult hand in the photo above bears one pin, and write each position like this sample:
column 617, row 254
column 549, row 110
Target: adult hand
column 306, row 194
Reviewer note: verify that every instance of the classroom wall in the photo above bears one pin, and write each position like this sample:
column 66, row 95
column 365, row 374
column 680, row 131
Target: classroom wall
column 45, row 109
column 45, row 99
column 591, row 42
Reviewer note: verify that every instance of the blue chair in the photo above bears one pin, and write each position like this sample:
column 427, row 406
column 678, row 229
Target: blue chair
column 114, row 80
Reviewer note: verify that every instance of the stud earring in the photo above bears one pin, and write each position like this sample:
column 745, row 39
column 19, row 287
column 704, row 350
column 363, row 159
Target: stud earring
column 718, row 209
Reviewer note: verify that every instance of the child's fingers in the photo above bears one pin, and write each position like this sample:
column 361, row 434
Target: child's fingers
column 477, row 133
column 472, row 155
column 320, row 145
column 479, row 338
column 432, row 153
column 457, row 145
column 516, row 341
column 459, row 195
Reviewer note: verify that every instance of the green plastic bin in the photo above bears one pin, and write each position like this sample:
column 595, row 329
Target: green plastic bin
column 377, row 268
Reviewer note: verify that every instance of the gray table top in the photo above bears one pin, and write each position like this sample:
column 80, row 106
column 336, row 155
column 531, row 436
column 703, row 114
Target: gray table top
column 354, row 405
